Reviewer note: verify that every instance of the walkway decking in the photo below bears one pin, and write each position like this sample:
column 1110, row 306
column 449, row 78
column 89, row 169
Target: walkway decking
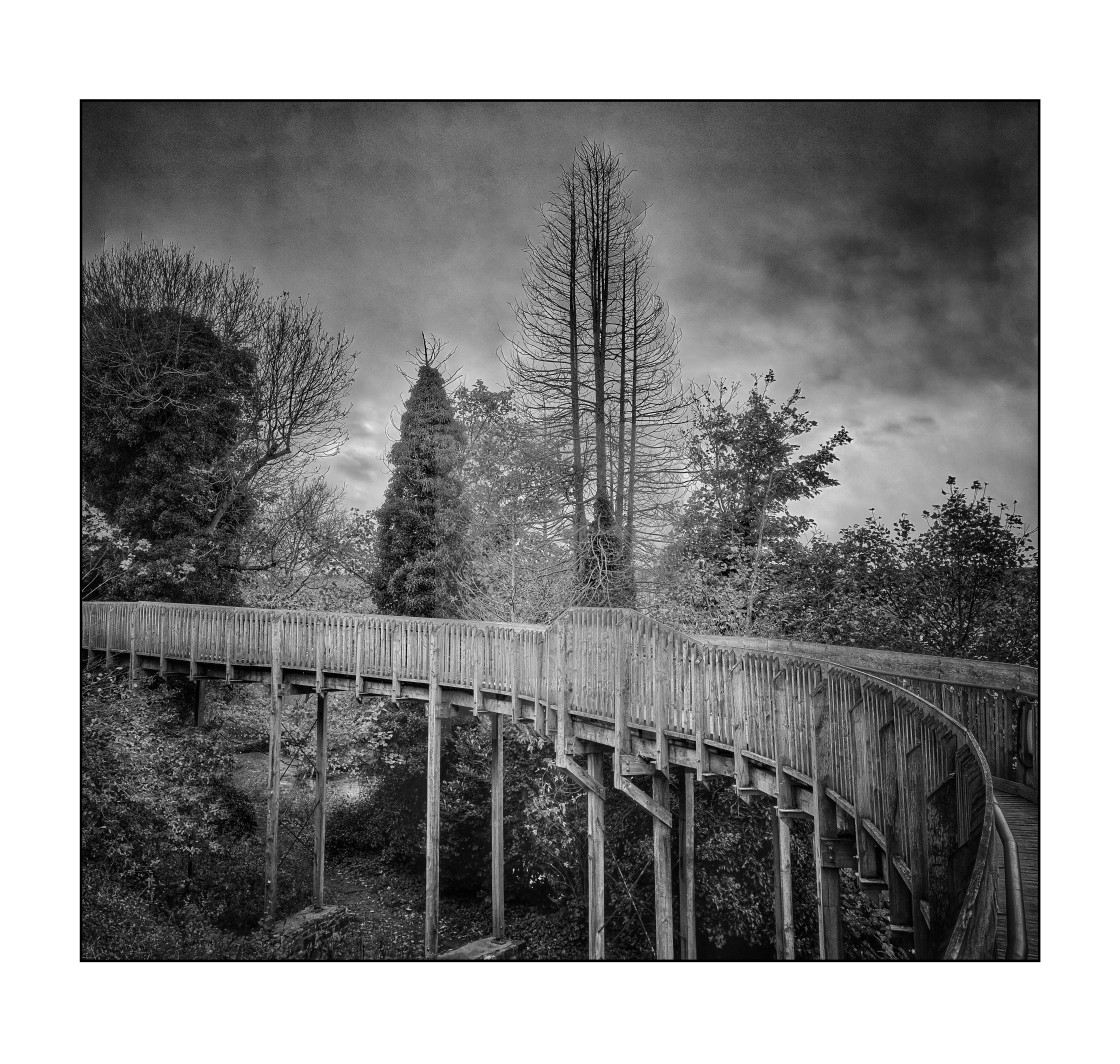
column 1022, row 818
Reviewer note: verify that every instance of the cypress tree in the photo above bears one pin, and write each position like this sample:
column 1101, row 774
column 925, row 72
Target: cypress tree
column 421, row 523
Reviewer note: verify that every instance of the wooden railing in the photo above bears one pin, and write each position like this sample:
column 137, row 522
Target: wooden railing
column 905, row 775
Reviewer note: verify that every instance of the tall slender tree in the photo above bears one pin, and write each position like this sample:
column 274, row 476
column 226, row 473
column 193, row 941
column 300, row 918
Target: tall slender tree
column 595, row 343
column 420, row 524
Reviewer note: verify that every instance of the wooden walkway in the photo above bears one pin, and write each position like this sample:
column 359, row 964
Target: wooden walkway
column 1022, row 818
column 891, row 758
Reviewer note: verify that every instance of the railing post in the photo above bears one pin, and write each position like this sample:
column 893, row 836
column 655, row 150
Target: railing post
column 109, row 638
column 395, row 656
column 132, row 666
column 195, row 622
column 163, row 640
column 320, row 799
column 916, row 827
column 272, row 836
column 431, row 867
column 539, row 722
column 624, row 653
column 825, row 835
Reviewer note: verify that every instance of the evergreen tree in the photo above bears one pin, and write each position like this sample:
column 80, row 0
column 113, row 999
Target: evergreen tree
column 421, row 523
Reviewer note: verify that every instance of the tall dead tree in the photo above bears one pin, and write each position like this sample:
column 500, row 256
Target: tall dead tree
column 594, row 343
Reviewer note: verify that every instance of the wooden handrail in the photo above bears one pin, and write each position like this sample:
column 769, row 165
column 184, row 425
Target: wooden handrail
column 910, row 773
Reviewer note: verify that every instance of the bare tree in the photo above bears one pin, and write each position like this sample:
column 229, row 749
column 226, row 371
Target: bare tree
column 594, row 366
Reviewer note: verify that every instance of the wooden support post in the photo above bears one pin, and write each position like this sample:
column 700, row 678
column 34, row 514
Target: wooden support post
column 132, row 662
column 596, row 880
column 320, row 871
column 687, row 847
column 228, row 629
column 497, row 831
column 201, row 702
column 662, row 873
column 829, row 927
column 701, row 711
column 514, row 691
column 431, row 870
column 899, row 901
column 163, row 641
column 783, row 889
column 272, row 835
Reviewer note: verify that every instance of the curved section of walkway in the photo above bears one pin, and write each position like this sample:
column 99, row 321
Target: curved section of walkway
column 1022, row 818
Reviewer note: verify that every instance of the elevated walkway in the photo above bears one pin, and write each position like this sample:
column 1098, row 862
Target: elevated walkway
column 890, row 757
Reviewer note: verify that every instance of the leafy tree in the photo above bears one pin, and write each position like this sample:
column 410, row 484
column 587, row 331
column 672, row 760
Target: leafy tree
column 162, row 406
column 202, row 403
column 421, row 523
column 745, row 472
column 965, row 586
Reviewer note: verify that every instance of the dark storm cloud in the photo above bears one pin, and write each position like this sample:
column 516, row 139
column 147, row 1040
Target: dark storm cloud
column 884, row 255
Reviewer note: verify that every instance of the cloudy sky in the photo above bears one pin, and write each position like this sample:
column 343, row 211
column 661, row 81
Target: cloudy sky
column 885, row 256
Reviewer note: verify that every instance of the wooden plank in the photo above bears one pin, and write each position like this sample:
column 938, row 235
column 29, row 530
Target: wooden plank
column 497, row 830
column 891, row 663
column 919, row 850
column 320, row 826
column 540, row 690
column 655, row 808
column 431, row 862
column 623, row 695
column 662, row 872
column 784, row 947
column 633, row 765
column 576, row 772
column 870, row 866
column 396, row 649
column 272, row 831
column 687, row 849
column 596, row 878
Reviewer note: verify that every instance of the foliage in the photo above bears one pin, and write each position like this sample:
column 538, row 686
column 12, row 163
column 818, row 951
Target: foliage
column 162, row 403
column 202, row 403
column 166, row 844
column 745, row 472
column 420, row 523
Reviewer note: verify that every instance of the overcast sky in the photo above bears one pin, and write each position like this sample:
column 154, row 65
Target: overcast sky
column 885, row 256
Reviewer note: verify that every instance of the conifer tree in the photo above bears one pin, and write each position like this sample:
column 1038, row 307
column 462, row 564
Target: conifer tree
column 421, row 523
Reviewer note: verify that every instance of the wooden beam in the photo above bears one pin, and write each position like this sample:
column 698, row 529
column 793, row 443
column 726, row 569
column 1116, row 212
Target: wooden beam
column 360, row 638
column 784, row 948
column 633, row 765
column 658, row 810
column 272, row 831
column 576, row 772
column 201, row 702
column 163, row 640
column 687, row 849
column 431, row 863
column 829, row 924
column 196, row 616
column 596, row 880
column 228, row 623
column 319, row 874
column 662, row 872
column 497, row 830
column 541, row 694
